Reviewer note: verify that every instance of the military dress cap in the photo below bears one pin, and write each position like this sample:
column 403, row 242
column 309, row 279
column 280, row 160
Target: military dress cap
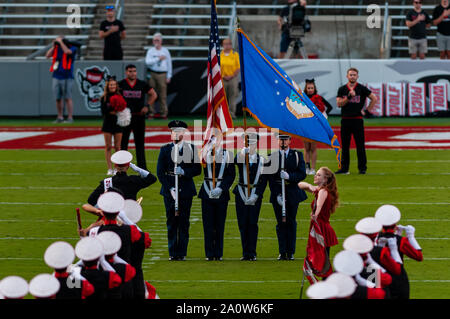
column 177, row 125
column 121, row 157
column 13, row 287
column 368, row 225
column 44, row 286
column 388, row 215
column 348, row 262
column 281, row 136
column 358, row 243
column 133, row 210
column 322, row 290
column 111, row 202
column 345, row 284
column 59, row 255
column 111, row 242
column 89, row 248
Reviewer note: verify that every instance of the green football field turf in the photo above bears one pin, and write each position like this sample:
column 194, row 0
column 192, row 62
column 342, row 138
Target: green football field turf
column 40, row 189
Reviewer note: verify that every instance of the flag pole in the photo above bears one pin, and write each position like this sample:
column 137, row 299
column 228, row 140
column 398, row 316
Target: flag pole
column 246, row 154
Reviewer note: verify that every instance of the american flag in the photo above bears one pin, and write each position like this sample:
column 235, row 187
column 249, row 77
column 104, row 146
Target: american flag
column 218, row 115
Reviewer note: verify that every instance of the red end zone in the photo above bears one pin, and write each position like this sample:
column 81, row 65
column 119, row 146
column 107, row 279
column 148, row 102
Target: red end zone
column 436, row 137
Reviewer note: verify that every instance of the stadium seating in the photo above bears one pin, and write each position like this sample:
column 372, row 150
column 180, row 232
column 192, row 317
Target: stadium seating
column 26, row 25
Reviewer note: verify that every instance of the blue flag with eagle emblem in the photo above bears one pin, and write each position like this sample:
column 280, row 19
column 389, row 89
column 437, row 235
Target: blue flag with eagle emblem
column 271, row 97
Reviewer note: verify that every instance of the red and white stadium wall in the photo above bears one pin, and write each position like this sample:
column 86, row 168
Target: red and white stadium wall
column 406, row 87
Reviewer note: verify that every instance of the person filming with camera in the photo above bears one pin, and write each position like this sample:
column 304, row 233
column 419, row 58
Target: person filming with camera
column 293, row 24
column 63, row 54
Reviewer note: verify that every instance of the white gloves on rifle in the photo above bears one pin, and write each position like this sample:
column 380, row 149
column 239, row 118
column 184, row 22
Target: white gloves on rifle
column 393, row 247
column 284, row 175
column 216, row 192
column 178, row 171
column 245, row 150
column 410, row 230
column 140, row 171
column 399, row 230
column 173, row 192
column 252, row 200
column 280, row 200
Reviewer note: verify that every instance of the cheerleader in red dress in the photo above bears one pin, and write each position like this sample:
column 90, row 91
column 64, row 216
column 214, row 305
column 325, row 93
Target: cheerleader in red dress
column 325, row 108
column 326, row 199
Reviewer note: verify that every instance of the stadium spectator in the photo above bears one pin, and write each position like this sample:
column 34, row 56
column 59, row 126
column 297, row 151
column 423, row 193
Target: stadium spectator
column 134, row 91
column 110, row 127
column 159, row 62
column 230, row 67
column 311, row 147
column 417, row 20
column 285, row 20
column 441, row 19
column 63, row 54
column 113, row 31
column 326, row 199
column 351, row 98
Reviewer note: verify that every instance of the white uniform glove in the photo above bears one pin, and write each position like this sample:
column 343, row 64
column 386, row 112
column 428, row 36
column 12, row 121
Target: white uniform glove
column 410, row 230
column 393, row 247
column 140, row 171
column 178, row 171
column 284, row 175
column 173, row 192
column 105, row 265
column 382, row 241
column 280, row 200
column 245, row 150
column 118, row 260
column 399, row 230
column 364, row 282
column 252, row 200
column 216, row 192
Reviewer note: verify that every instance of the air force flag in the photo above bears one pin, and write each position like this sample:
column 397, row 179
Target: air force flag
column 275, row 101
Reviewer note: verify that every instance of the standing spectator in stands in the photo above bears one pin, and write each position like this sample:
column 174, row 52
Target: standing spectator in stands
column 113, row 31
column 284, row 21
column 63, row 55
column 325, row 108
column 441, row 18
column 159, row 62
column 417, row 20
column 351, row 98
column 230, row 67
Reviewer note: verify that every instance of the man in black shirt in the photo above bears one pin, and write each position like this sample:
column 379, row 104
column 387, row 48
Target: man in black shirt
column 441, row 19
column 417, row 21
column 351, row 98
column 113, row 31
column 134, row 91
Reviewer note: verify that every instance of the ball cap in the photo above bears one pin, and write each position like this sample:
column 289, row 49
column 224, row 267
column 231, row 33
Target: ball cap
column 59, row 255
column 177, row 125
column 89, row 248
column 358, row 243
column 111, row 242
column 44, row 286
column 111, row 202
column 345, row 284
column 133, row 210
column 388, row 215
column 348, row 262
column 322, row 290
column 121, row 157
column 13, row 287
column 368, row 225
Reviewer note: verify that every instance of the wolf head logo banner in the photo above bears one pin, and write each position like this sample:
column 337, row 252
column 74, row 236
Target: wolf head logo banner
column 91, row 82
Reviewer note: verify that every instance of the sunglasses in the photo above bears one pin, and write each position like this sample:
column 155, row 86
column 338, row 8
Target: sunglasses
column 109, row 7
column 110, row 77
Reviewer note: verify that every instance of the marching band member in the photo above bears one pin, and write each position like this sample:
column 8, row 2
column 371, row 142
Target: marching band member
column 389, row 216
column 60, row 256
column 248, row 205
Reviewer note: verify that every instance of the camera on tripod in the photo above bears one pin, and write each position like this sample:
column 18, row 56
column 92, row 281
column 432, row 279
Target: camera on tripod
column 296, row 22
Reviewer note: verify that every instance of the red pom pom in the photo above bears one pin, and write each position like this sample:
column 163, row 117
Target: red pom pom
column 117, row 102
